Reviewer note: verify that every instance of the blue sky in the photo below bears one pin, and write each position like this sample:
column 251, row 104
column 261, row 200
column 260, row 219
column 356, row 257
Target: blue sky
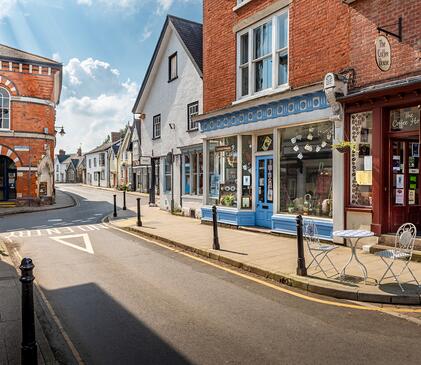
column 105, row 47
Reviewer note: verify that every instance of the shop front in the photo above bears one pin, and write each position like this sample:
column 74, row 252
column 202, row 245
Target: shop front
column 265, row 165
column 383, row 170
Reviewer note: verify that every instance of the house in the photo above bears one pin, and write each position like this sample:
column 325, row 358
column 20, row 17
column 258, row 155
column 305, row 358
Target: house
column 112, row 163
column 60, row 163
column 96, row 162
column 66, row 166
column 30, row 88
column 170, row 162
column 267, row 125
column 81, row 171
column 124, row 161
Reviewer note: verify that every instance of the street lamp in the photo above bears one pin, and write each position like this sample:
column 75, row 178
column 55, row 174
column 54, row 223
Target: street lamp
column 62, row 132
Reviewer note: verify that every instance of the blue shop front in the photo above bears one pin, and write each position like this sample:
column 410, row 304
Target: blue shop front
column 267, row 161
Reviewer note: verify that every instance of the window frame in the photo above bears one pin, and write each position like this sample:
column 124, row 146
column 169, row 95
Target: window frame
column 154, row 135
column 190, row 127
column 251, row 62
column 170, row 58
column 8, row 109
column 167, row 173
column 195, row 172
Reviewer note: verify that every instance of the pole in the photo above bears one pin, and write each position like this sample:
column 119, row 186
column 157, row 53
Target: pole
column 124, row 200
column 115, row 206
column 139, row 220
column 172, row 181
column 29, row 344
column 301, row 264
column 215, row 230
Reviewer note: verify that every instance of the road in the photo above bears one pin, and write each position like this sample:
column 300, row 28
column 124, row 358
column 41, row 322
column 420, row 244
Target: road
column 124, row 300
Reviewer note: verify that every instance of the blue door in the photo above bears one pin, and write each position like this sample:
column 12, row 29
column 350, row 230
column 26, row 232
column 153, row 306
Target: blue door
column 264, row 191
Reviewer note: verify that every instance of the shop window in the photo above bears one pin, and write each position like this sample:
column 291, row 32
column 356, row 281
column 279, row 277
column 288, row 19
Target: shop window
column 193, row 173
column 361, row 159
column 4, row 109
column 263, row 55
column 306, row 170
column 223, row 171
column 167, row 174
column 407, row 119
column 246, row 169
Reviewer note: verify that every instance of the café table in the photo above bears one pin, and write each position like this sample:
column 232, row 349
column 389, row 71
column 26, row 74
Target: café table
column 353, row 236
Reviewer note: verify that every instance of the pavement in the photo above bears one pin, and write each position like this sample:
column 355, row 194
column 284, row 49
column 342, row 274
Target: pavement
column 10, row 317
column 273, row 257
column 63, row 200
column 123, row 299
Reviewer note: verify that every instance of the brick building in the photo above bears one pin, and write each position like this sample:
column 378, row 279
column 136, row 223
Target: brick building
column 382, row 114
column 30, row 89
column 267, row 124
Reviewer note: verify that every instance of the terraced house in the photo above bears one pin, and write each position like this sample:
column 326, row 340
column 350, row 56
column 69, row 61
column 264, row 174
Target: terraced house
column 30, row 87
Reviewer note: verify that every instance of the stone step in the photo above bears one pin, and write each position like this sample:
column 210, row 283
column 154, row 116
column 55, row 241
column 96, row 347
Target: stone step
column 389, row 240
column 416, row 255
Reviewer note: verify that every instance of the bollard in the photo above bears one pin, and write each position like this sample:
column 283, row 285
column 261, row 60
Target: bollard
column 115, row 206
column 124, row 200
column 215, row 230
column 29, row 344
column 301, row 264
column 139, row 221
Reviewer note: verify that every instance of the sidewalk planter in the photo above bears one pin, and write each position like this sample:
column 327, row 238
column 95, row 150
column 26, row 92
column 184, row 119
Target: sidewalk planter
column 230, row 216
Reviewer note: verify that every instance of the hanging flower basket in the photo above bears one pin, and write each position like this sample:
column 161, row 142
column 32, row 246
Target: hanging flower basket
column 344, row 146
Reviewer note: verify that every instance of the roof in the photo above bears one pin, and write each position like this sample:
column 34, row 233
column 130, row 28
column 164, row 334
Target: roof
column 62, row 158
column 115, row 136
column 102, row 147
column 136, row 126
column 116, row 146
column 191, row 35
column 19, row 55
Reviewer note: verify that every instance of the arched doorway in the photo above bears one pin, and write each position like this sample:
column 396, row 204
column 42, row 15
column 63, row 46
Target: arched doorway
column 7, row 179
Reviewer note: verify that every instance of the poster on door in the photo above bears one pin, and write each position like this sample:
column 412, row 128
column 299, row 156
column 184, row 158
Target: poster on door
column 399, row 181
column 396, row 163
column 399, row 196
column 411, row 197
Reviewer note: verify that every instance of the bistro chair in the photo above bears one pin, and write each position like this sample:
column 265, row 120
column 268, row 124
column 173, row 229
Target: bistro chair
column 404, row 246
column 318, row 251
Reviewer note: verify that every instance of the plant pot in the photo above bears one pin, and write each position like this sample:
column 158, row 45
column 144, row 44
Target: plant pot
column 342, row 149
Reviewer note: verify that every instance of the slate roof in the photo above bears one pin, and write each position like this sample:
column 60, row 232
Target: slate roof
column 103, row 147
column 19, row 55
column 116, row 146
column 62, row 158
column 191, row 34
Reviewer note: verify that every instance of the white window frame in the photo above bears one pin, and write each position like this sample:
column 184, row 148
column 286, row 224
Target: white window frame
column 8, row 107
column 156, row 121
column 191, row 125
column 250, row 64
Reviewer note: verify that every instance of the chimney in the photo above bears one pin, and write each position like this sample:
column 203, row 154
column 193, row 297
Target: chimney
column 79, row 151
column 61, row 152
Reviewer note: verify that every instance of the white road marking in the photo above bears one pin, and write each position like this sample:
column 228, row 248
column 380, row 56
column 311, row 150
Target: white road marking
column 88, row 245
column 98, row 214
column 54, row 220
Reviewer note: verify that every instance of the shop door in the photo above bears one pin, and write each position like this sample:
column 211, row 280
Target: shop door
column 264, row 191
column 7, row 179
column 404, row 183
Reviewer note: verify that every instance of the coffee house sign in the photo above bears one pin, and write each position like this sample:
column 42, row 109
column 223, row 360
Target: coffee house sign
column 383, row 53
column 406, row 119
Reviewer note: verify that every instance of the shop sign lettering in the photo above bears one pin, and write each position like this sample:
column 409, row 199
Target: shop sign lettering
column 405, row 119
column 383, row 53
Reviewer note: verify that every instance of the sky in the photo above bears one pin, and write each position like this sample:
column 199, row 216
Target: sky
column 105, row 47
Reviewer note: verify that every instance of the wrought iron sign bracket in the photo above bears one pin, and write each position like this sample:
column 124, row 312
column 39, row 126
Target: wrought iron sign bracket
column 396, row 35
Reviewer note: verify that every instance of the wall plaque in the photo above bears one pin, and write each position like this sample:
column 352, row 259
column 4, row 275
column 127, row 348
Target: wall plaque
column 383, row 53
column 43, row 188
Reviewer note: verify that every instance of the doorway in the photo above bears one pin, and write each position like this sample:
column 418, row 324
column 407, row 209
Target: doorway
column 7, row 179
column 264, row 191
column 404, row 182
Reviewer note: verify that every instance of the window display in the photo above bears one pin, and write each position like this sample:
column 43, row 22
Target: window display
column 223, row 155
column 246, row 168
column 306, row 170
column 361, row 159
column 193, row 173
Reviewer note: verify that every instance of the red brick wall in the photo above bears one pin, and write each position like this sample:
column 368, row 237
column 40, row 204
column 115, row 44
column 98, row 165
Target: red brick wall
column 366, row 16
column 319, row 34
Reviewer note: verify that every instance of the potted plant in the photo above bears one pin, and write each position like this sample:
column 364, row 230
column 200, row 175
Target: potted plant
column 228, row 200
column 343, row 146
column 291, row 207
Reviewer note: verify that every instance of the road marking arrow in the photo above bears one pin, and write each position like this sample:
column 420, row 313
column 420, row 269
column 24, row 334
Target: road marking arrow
column 88, row 245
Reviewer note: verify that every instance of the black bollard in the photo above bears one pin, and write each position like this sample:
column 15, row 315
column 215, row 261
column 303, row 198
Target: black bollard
column 301, row 264
column 124, row 200
column 115, row 206
column 29, row 344
column 139, row 221
column 215, row 230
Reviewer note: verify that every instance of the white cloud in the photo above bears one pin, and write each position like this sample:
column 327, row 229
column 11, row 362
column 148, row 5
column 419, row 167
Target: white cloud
column 6, row 6
column 56, row 57
column 146, row 33
column 85, row 2
column 95, row 101
column 164, row 6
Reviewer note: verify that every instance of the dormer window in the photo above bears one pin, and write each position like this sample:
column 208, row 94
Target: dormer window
column 262, row 54
column 172, row 67
column 4, row 109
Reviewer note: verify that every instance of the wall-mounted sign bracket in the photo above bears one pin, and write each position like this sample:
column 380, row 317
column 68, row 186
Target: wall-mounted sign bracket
column 396, row 35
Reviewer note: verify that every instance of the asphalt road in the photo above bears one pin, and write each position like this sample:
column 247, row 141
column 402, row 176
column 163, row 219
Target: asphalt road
column 122, row 300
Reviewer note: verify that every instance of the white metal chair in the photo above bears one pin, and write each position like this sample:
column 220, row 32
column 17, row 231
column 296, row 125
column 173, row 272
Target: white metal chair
column 404, row 246
column 318, row 251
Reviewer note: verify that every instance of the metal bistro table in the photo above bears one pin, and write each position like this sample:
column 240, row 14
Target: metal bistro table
column 353, row 237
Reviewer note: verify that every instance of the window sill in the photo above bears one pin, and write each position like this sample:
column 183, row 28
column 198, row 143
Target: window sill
column 261, row 94
column 193, row 130
column 171, row 80
column 240, row 5
column 155, row 138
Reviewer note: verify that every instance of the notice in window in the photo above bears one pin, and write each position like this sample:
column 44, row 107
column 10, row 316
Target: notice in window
column 399, row 196
column 396, row 163
column 399, row 181
column 411, row 197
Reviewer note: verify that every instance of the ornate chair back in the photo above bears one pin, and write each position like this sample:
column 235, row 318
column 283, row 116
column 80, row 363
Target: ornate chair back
column 310, row 234
column 405, row 238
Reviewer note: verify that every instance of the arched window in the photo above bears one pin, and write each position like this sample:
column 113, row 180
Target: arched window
column 4, row 109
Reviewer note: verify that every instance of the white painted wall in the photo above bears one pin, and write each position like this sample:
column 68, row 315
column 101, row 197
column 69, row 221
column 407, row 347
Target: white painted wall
column 59, row 171
column 90, row 171
column 170, row 99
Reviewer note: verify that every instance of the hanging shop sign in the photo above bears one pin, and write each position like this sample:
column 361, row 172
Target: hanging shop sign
column 145, row 161
column 383, row 53
column 223, row 148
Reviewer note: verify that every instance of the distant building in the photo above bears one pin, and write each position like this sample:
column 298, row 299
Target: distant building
column 30, row 88
column 96, row 161
column 66, row 167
